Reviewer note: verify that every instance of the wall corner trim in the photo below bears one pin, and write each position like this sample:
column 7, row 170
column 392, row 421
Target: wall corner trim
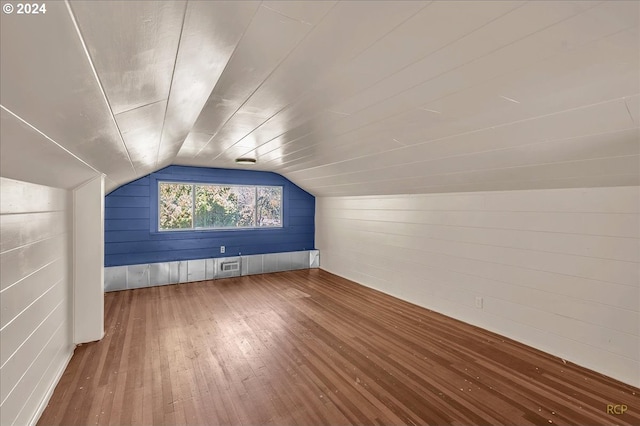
column 88, row 261
column 87, row 182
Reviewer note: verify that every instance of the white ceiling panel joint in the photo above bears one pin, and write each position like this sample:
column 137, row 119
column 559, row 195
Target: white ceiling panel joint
column 173, row 73
column 48, row 138
column 95, row 74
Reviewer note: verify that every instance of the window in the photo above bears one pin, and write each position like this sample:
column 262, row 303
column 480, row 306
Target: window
column 215, row 206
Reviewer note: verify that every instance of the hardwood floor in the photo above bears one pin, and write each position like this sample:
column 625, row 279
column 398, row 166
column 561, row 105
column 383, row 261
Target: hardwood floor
column 308, row 347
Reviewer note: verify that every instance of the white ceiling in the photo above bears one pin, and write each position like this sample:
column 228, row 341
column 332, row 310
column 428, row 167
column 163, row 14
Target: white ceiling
column 343, row 98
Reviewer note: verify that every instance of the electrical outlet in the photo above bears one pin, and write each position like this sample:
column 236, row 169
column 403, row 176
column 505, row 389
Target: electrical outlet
column 222, row 249
column 479, row 302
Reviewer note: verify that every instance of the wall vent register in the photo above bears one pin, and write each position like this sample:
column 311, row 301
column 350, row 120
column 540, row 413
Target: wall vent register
column 230, row 266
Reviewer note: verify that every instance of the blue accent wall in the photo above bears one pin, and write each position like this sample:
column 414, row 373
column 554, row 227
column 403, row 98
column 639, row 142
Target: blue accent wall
column 131, row 221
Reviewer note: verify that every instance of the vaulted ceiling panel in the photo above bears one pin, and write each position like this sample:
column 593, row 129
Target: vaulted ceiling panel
column 210, row 35
column 432, row 76
column 611, row 171
column 141, row 129
column 425, row 33
column 603, row 119
column 267, row 41
column 47, row 80
column 342, row 97
column 573, row 149
column 343, row 32
column 135, row 65
column 448, row 82
column 26, row 154
column 496, row 110
column 133, row 46
column 561, row 82
column 371, row 65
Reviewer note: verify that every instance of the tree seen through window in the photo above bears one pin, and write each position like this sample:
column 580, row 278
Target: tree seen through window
column 213, row 206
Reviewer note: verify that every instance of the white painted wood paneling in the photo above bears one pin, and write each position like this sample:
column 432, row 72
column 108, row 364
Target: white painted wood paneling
column 135, row 61
column 47, row 80
column 35, row 296
column 26, row 154
column 339, row 96
column 267, row 41
column 334, row 42
column 209, row 37
column 25, row 260
column 557, row 269
column 135, row 65
column 141, row 129
column 88, row 256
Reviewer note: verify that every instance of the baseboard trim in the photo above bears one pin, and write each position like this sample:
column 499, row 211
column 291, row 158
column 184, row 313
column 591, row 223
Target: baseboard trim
column 52, row 387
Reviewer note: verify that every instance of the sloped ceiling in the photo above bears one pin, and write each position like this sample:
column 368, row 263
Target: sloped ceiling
column 343, row 98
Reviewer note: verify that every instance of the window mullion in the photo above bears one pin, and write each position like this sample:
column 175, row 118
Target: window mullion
column 193, row 206
column 255, row 206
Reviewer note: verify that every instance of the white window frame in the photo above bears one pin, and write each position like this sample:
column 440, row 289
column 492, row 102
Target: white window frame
column 219, row 228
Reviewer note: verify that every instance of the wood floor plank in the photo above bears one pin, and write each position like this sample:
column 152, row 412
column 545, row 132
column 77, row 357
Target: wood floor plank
column 308, row 347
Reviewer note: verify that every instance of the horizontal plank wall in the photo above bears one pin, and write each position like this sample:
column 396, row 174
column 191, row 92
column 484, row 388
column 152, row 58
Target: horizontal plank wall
column 131, row 235
column 555, row 269
column 35, row 296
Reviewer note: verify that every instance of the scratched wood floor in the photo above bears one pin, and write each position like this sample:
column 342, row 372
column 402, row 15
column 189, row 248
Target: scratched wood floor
column 310, row 348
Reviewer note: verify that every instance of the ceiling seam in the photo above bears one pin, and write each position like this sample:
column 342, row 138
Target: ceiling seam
column 49, row 139
column 568, row 140
column 392, row 197
column 453, row 69
column 97, row 77
column 414, row 196
column 489, row 182
column 223, row 70
column 523, row 166
column 267, row 77
column 546, row 58
column 520, row 166
column 285, row 15
column 495, row 126
column 301, row 97
column 488, row 53
column 414, row 62
column 173, row 72
column 235, row 49
column 485, row 187
column 616, row 180
column 141, row 106
column 626, row 104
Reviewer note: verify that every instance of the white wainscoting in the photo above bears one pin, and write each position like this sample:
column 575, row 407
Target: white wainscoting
column 556, row 269
column 35, row 298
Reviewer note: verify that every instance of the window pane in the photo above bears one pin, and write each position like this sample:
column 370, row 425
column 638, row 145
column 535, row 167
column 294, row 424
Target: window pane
column 218, row 206
column 224, row 206
column 246, row 205
column 269, row 212
column 176, row 206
